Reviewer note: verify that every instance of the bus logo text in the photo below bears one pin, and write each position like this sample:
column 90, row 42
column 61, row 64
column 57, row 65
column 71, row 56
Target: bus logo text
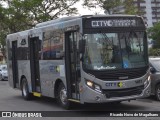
column 119, row 84
column 111, row 84
column 113, row 23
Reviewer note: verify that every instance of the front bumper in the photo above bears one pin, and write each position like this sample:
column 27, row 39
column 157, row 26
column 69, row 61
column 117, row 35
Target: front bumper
column 92, row 96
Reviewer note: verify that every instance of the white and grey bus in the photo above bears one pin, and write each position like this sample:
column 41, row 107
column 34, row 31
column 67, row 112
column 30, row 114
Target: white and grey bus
column 84, row 59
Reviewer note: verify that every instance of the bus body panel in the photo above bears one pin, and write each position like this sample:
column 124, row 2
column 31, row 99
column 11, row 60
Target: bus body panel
column 15, row 37
column 10, row 75
column 50, row 71
column 24, row 71
column 47, row 88
column 89, row 95
column 110, row 85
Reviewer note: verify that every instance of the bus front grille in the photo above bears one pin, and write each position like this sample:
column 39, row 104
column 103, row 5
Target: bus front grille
column 115, row 75
column 123, row 92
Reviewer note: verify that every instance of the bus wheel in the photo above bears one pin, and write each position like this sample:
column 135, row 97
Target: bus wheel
column 25, row 91
column 62, row 97
column 158, row 92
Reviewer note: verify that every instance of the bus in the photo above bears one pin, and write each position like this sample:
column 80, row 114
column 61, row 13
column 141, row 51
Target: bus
column 82, row 59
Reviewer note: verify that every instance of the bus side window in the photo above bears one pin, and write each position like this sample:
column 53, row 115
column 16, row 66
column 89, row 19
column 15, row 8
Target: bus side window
column 46, row 45
column 57, row 45
column 53, row 45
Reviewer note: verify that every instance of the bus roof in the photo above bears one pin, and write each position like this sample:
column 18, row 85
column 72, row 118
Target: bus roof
column 75, row 17
column 65, row 19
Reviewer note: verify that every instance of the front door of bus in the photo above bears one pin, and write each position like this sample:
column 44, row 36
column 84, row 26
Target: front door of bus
column 72, row 64
column 34, row 63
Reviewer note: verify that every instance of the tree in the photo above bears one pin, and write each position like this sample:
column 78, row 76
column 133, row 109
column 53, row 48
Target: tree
column 107, row 5
column 24, row 14
column 2, row 33
column 19, row 15
column 113, row 6
column 154, row 34
column 130, row 7
column 3, row 43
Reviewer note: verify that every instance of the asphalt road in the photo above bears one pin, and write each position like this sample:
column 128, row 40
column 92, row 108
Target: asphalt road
column 11, row 100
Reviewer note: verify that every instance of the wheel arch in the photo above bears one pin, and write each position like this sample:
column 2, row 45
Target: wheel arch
column 23, row 76
column 28, row 95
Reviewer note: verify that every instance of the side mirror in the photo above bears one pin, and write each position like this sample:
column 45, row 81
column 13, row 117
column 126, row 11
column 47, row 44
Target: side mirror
column 152, row 70
column 82, row 46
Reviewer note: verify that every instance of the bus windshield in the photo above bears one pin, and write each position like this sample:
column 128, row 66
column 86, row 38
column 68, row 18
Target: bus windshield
column 106, row 51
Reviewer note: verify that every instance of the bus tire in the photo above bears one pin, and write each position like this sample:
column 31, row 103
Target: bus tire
column 158, row 92
column 62, row 97
column 25, row 91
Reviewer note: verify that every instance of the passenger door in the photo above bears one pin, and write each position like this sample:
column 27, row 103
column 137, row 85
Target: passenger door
column 34, row 64
column 72, row 64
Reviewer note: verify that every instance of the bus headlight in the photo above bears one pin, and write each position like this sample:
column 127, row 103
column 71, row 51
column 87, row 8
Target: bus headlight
column 89, row 83
column 94, row 86
column 147, row 82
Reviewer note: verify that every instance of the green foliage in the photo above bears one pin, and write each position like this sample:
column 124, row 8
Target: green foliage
column 2, row 38
column 154, row 52
column 20, row 15
column 154, row 34
column 3, row 42
column 24, row 14
column 107, row 5
column 129, row 7
column 111, row 6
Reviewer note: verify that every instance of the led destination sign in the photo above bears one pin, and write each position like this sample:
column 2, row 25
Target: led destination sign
column 113, row 23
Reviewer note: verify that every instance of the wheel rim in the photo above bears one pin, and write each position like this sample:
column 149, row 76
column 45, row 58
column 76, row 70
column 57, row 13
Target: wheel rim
column 24, row 89
column 63, row 96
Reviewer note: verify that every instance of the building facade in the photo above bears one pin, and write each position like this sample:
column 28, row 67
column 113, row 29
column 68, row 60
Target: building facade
column 149, row 9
